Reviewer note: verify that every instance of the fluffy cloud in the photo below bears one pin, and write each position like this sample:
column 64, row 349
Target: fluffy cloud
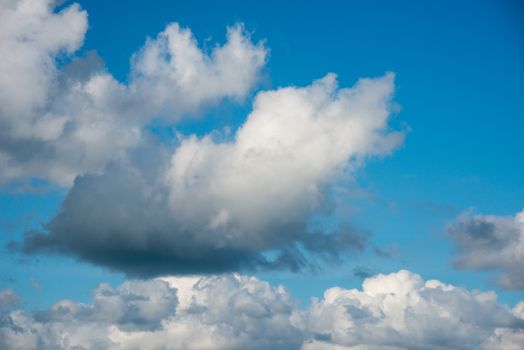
column 244, row 203
column 294, row 143
column 488, row 242
column 176, row 75
column 401, row 311
column 31, row 36
column 210, row 205
column 133, row 306
column 395, row 311
column 59, row 122
column 226, row 312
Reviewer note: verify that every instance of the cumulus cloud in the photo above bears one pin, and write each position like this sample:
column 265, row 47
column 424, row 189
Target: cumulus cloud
column 294, row 143
column 244, row 203
column 395, row 311
column 489, row 242
column 223, row 312
column 174, row 73
column 401, row 311
column 133, row 306
column 59, row 121
column 208, row 205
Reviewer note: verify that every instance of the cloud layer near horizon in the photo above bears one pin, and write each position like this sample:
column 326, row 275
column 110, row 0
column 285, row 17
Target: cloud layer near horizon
column 395, row 311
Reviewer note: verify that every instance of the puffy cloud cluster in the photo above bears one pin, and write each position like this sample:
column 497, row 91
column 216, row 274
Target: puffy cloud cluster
column 225, row 312
column 395, row 311
column 401, row 311
column 31, row 36
column 489, row 242
column 255, row 199
column 177, row 76
column 57, row 122
column 134, row 306
column 293, row 144
column 243, row 203
column 208, row 205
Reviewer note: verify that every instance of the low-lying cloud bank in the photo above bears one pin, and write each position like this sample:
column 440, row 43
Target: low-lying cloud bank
column 395, row 311
column 490, row 242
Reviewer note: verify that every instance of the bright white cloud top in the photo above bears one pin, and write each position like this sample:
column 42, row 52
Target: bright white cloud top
column 395, row 311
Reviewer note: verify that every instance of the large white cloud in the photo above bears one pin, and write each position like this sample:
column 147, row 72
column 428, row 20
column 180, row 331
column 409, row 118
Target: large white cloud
column 215, row 205
column 133, row 306
column 490, row 242
column 8, row 298
column 57, row 122
column 294, row 143
column 224, row 205
column 395, row 311
column 223, row 312
column 401, row 311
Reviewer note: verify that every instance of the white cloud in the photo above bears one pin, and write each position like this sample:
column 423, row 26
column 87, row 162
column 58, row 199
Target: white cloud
column 179, row 77
column 60, row 122
column 221, row 205
column 395, row 311
column 400, row 311
column 216, row 206
column 223, row 312
column 294, row 143
column 31, row 36
column 489, row 242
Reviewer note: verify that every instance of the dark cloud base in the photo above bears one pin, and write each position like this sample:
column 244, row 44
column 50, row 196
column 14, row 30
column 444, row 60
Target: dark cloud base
column 112, row 220
column 159, row 260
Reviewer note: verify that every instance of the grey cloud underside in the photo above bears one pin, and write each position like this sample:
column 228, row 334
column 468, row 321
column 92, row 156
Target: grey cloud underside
column 489, row 242
column 256, row 201
column 204, row 205
column 229, row 312
column 109, row 220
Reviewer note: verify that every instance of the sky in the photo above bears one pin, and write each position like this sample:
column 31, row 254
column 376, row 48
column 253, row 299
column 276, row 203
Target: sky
column 284, row 174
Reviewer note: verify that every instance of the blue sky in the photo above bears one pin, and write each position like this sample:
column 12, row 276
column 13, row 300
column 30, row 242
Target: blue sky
column 458, row 95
